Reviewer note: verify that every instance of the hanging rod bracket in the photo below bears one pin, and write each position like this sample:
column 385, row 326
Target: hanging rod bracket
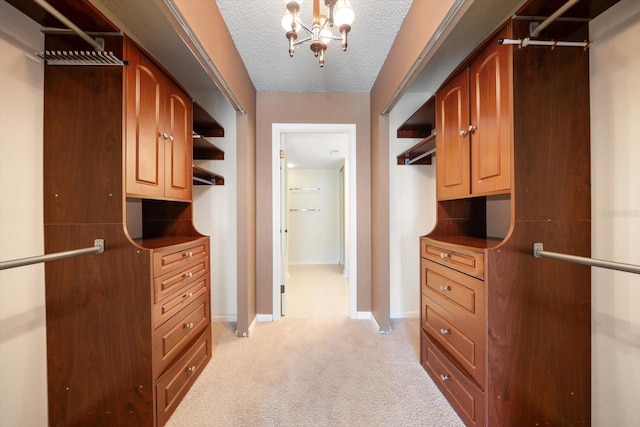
column 99, row 243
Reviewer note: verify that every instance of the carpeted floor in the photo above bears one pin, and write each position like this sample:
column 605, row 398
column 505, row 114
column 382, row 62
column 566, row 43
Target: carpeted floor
column 315, row 372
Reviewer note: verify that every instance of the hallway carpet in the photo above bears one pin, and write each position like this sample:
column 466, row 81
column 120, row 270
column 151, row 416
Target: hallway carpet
column 315, row 372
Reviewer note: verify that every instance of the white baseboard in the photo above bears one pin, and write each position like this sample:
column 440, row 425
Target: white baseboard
column 264, row 317
column 363, row 315
column 248, row 333
column 224, row 318
column 404, row 314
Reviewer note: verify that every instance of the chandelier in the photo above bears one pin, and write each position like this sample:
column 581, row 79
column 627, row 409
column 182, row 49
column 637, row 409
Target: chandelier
column 320, row 33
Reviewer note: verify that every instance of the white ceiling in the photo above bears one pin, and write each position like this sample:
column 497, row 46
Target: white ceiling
column 260, row 39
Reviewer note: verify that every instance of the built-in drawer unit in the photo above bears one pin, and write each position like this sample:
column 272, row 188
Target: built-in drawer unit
column 175, row 281
column 176, row 381
column 177, row 256
column 173, row 337
column 165, row 309
column 463, row 394
column 464, row 341
column 458, row 293
column 461, row 259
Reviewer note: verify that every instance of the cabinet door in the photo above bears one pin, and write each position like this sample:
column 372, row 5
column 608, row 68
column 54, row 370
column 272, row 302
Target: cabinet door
column 452, row 140
column 491, row 118
column 178, row 146
column 144, row 146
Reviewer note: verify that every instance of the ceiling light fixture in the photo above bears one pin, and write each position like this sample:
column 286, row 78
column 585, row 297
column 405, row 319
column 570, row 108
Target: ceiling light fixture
column 320, row 34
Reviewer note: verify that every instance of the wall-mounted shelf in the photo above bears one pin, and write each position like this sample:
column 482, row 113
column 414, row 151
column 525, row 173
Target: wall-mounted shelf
column 205, row 150
column 419, row 154
column 201, row 176
column 421, row 123
column 204, row 124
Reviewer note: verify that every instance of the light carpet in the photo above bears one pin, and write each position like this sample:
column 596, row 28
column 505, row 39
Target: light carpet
column 315, row 372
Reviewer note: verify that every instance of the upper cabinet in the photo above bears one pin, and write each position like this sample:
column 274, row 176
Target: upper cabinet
column 474, row 116
column 158, row 133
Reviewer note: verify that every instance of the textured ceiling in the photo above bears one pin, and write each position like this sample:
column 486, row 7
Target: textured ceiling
column 255, row 28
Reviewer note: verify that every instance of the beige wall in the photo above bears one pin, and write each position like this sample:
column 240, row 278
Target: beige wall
column 329, row 108
column 615, row 212
column 422, row 21
column 207, row 24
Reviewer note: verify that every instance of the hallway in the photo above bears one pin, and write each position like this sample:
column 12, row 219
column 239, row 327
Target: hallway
column 317, row 291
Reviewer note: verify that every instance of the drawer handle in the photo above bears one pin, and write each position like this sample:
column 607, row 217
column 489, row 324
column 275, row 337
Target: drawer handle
column 191, row 368
column 188, row 325
column 444, row 255
column 444, row 377
column 445, row 288
column 189, row 295
column 187, row 275
column 187, row 254
column 444, row 331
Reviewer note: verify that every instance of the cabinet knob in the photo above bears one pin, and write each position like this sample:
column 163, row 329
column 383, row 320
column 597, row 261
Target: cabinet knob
column 444, row 331
column 187, row 275
column 463, row 133
column 445, row 377
column 189, row 295
column 188, row 325
column 191, row 368
column 164, row 135
column 444, row 255
column 170, row 137
column 187, row 255
column 445, row 288
column 472, row 128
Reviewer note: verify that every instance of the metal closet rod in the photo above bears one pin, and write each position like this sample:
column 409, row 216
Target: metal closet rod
column 539, row 252
column 97, row 248
column 60, row 17
column 552, row 43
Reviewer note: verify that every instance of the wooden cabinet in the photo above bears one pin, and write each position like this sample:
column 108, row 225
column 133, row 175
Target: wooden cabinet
column 205, row 126
column 505, row 337
column 158, row 133
column 473, row 116
column 128, row 331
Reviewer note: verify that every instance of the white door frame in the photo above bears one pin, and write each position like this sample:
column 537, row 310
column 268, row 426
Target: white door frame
column 277, row 130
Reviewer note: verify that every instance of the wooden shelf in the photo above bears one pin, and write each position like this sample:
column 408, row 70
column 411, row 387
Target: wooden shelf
column 419, row 154
column 201, row 176
column 205, row 150
column 204, row 124
column 421, row 123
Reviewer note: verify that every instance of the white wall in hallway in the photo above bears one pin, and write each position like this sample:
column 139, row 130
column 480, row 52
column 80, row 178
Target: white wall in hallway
column 615, row 211
column 23, row 354
column 412, row 205
column 314, row 235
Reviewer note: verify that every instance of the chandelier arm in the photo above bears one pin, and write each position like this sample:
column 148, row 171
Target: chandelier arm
column 307, row 29
column 302, row 41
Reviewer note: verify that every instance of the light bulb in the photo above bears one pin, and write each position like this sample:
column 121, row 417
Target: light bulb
column 343, row 14
column 287, row 20
column 326, row 35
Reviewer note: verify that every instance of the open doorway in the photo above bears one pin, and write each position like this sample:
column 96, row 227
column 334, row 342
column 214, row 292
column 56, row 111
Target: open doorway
column 321, row 255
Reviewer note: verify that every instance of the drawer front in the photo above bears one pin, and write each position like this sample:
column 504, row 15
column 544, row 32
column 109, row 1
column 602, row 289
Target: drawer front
column 465, row 396
column 463, row 340
column 173, row 282
column 165, row 309
column 462, row 295
column 466, row 261
column 170, row 339
column 174, row 384
column 179, row 256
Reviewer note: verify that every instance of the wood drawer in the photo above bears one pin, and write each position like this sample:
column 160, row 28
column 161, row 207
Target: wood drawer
column 462, row 295
column 165, row 309
column 172, row 338
column 173, row 257
column 465, row 396
column 173, row 282
column 174, row 384
column 456, row 257
column 463, row 340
